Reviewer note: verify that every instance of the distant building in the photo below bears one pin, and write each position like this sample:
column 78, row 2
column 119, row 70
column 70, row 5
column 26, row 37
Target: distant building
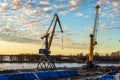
column 65, row 58
column 6, row 58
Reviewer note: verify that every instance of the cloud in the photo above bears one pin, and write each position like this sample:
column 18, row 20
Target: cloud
column 39, row 13
column 16, row 4
column 115, row 4
column 44, row 3
column 47, row 16
column 79, row 14
column 60, row 7
column 8, row 37
column 47, row 9
column 63, row 1
column 68, row 43
column 111, row 15
column 31, row 12
column 109, row 7
column 73, row 45
column 87, row 16
column 4, row 5
column 103, row 2
column 63, row 12
column 74, row 4
column 74, row 8
column 115, row 22
column 103, row 25
column 103, row 14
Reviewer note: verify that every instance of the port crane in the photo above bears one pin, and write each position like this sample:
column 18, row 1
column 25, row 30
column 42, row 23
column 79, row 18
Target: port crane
column 90, row 64
column 46, row 63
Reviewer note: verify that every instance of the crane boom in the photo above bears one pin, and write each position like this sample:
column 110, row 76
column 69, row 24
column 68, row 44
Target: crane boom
column 96, row 20
column 57, row 20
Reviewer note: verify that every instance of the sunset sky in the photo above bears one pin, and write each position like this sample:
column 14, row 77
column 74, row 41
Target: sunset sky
column 23, row 22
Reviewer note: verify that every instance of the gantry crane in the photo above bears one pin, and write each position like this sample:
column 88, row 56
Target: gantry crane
column 93, row 42
column 46, row 63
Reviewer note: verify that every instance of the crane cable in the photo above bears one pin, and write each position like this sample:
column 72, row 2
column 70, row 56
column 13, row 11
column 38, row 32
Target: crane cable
column 62, row 40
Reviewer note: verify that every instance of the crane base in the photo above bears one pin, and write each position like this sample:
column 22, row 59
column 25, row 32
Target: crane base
column 46, row 63
column 91, row 66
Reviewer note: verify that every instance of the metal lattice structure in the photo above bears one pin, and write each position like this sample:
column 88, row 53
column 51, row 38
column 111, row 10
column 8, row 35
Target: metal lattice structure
column 46, row 63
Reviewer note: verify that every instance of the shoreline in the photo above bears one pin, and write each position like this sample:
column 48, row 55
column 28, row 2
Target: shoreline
column 62, row 62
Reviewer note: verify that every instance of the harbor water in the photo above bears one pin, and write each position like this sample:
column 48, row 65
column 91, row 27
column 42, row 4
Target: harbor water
column 8, row 66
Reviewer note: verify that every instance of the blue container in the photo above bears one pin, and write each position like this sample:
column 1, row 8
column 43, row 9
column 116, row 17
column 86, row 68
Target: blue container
column 29, row 76
column 21, row 76
column 3, row 77
column 74, row 73
column 63, row 74
column 15, row 76
column 43, row 75
column 107, row 77
column 54, row 74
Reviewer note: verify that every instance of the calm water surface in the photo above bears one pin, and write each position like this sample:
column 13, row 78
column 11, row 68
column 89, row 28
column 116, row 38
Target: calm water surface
column 7, row 66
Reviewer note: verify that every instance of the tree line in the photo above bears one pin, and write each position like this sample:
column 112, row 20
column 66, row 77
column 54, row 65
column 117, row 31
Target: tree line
column 28, row 58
